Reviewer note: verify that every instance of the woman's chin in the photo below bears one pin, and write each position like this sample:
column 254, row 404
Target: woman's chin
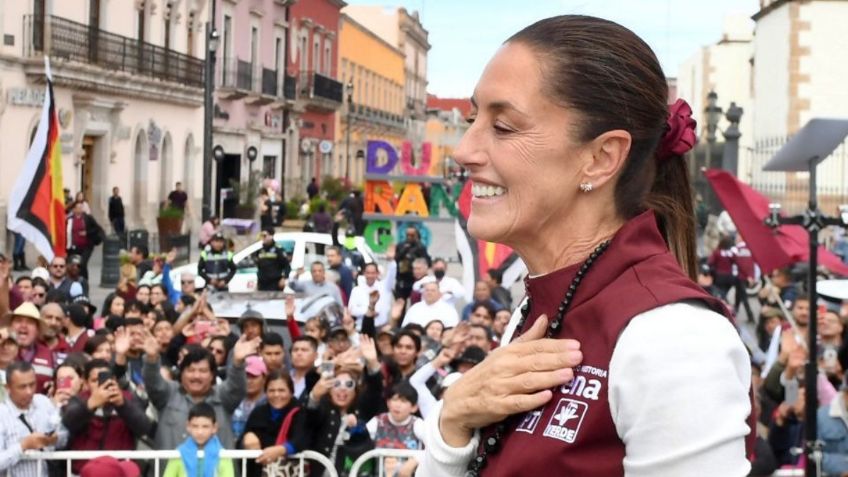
column 485, row 228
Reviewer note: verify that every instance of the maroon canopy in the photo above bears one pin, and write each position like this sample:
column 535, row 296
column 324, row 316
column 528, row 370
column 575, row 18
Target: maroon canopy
column 772, row 248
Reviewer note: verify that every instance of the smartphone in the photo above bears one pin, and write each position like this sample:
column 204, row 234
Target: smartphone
column 202, row 328
column 104, row 376
column 328, row 369
column 65, row 383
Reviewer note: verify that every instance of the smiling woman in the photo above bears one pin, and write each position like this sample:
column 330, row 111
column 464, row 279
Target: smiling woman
column 576, row 162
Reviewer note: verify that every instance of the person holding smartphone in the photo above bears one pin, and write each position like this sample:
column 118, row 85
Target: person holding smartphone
column 29, row 421
column 102, row 416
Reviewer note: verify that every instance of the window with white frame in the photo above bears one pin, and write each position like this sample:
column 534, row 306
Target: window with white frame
column 328, row 57
column 316, row 52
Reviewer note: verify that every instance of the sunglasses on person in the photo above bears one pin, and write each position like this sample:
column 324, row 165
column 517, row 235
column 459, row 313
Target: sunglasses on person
column 58, row 265
column 39, row 295
column 187, row 282
column 344, row 383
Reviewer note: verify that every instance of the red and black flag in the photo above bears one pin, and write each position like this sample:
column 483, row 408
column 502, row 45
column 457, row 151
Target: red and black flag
column 36, row 206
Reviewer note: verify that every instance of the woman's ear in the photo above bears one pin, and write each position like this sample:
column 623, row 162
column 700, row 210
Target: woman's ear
column 609, row 151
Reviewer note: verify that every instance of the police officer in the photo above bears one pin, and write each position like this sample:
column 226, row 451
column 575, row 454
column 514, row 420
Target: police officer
column 272, row 263
column 216, row 264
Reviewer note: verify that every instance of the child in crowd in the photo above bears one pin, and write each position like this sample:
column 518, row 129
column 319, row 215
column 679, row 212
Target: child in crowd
column 399, row 428
column 202, row 428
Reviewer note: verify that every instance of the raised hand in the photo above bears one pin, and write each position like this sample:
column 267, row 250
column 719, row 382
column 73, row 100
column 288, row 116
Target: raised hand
column 171, row 256
column 290, row 307
column 369, row 351
column 151, row 346
column 512, row 379
column 245, row 348
column 122, row 341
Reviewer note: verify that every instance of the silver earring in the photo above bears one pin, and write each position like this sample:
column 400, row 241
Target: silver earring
column 586, row 187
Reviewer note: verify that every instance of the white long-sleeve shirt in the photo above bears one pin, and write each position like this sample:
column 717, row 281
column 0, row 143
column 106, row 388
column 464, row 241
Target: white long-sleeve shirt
column 360, row 299
column 450, row 288
column 679, row 379
column 422, row 313
column 43, row 416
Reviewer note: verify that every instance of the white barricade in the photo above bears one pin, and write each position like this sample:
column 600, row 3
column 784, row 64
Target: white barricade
column 789, row 473
column 380, row 455
column 158, row 456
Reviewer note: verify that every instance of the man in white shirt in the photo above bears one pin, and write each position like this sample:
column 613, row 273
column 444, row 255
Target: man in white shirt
column 450, row 287
column 430, row 308
column 359, row 296
column 28, row 421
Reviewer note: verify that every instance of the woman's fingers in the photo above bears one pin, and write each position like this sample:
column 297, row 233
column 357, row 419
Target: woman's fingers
column 540, row 362
column 535, row 332
column 528, row 383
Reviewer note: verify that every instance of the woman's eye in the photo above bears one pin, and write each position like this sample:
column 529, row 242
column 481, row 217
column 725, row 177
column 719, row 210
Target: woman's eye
column 502, row 129
column 470, row 119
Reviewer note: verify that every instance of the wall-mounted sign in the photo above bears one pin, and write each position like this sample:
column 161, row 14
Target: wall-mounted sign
column 306, row 145
column 325, row 146
column 273, row 120
column 64, row 118
column 26, row 97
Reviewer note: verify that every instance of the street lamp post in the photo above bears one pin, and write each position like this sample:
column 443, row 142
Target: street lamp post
column 349, row 88
column 713, row 112
column 208, row 108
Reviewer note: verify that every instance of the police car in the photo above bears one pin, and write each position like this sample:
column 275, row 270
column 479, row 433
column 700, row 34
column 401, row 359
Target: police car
column 301, row 247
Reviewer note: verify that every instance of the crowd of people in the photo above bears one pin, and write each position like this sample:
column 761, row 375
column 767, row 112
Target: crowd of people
column 154, row 367
column 773, row 315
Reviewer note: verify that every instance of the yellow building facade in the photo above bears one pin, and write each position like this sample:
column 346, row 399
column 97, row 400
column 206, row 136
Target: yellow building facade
column 373, row 73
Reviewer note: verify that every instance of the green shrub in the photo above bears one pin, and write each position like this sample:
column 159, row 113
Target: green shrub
column 171, row 213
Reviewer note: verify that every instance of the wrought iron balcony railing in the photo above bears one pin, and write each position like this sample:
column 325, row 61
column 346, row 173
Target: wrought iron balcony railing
column 316, row 85
column 62, row 38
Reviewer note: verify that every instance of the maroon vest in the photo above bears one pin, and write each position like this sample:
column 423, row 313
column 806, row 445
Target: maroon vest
column 574, row 433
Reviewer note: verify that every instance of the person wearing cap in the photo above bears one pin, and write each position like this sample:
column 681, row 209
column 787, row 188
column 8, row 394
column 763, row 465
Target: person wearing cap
column 110, row 466
column 28, row 326
column 251, row 323
column 216, row 265
column 272, row 264
column 28, row 421
column 74, row 273
column 255, row 371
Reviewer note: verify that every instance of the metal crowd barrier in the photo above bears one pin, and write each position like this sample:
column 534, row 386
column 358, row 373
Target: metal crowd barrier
column 381, row 455
column 158, row 456
column 789, row 473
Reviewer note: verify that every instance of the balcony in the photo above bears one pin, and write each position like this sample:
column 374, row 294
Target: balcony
column 319, row 92
column 376, row 119
column 132, row 67
column 235, row 80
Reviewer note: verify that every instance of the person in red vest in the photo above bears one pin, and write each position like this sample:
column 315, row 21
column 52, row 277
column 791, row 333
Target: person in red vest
column 621, row 364
column 723, row 262
column 26, row 322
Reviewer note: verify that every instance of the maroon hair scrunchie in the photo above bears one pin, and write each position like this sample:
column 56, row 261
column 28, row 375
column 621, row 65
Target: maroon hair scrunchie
column 679, row 137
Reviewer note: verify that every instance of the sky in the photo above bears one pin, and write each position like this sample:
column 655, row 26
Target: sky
column 464, row 34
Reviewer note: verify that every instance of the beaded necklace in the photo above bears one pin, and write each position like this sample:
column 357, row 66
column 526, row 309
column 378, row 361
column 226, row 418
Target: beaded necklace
column 491, row 444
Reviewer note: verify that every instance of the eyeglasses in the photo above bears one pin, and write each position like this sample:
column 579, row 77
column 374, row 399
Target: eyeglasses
column 346, row 384
column 58, row 265
column 38, row 295
column 187, row 282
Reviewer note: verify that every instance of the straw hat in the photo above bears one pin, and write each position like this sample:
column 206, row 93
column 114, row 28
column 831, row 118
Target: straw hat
column 27, row 310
